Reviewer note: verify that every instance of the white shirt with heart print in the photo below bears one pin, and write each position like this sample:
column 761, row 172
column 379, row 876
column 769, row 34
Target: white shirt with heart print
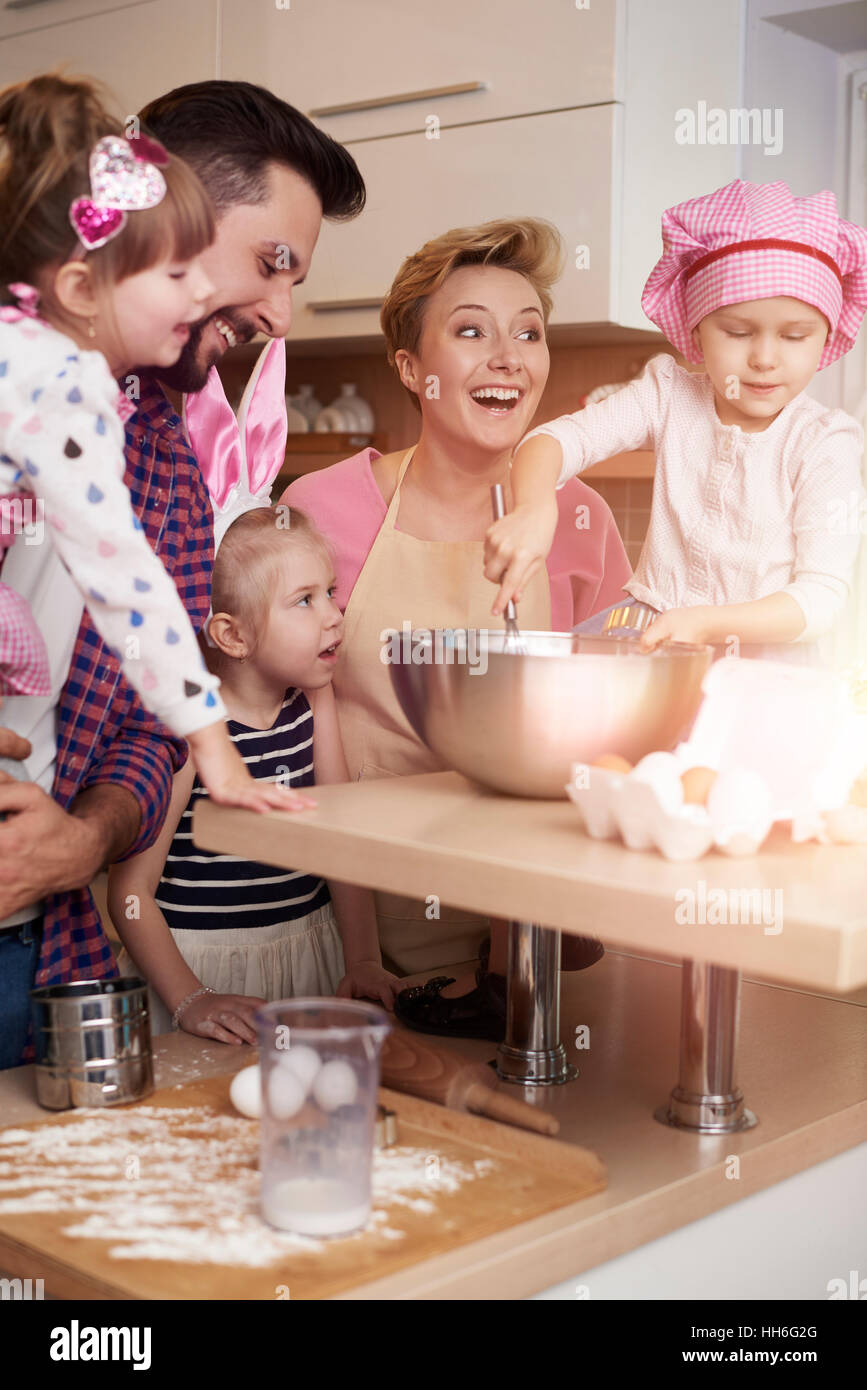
column 62, row 442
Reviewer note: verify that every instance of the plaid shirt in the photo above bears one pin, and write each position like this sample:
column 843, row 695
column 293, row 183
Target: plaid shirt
column 104, row 733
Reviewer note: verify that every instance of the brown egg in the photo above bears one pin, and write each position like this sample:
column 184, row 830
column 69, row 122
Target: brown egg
column 858, row 794
column 613, row 762
column 697, row 782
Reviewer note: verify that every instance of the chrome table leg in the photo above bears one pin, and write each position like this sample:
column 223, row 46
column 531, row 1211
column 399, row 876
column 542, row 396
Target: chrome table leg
column 532, row 1053
column 706, row 1099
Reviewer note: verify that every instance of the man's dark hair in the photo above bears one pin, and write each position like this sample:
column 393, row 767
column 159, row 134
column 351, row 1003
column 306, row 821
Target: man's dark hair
column 229, row 132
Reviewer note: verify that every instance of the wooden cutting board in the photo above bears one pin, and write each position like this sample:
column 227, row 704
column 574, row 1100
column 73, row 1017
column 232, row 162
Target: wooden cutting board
column 159, row 1200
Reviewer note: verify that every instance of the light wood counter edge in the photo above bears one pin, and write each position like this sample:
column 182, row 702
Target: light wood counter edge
column 538, row 1254
column 831, row 956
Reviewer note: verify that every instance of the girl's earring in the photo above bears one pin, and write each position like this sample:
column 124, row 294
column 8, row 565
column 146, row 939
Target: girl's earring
column 91, row 329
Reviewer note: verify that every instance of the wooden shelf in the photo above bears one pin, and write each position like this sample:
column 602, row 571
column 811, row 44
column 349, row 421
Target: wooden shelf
column 332, row 443
column 307, row 453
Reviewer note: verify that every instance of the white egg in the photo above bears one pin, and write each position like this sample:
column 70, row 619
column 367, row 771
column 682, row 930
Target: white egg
column 286, row 1094
column 847, row 825
column 739, row 806
column 335, row 1085
column 302, row 1062
column 245, row 1092
column 661, row 772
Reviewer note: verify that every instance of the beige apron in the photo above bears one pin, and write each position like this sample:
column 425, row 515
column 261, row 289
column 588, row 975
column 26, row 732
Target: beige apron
column 429, row 584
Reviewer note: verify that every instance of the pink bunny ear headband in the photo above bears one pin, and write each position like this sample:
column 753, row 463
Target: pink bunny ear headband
column 123, row 178
column 240, row 458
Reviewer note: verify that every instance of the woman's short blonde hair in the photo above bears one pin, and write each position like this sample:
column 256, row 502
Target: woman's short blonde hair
column 527, row 245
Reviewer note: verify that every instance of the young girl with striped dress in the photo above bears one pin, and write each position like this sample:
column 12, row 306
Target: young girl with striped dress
column 217, row 934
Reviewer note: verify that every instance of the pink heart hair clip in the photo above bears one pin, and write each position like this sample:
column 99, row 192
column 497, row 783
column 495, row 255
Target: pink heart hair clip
column 123, row 178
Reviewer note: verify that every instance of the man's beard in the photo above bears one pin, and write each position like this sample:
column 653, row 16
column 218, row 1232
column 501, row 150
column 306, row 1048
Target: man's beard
column 190, row 373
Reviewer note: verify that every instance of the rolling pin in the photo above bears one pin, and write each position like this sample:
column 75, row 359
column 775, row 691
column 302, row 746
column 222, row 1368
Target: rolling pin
column 421, row 1070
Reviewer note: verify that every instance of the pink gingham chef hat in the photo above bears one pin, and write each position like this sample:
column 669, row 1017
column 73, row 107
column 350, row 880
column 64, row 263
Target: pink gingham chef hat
column 756, row 241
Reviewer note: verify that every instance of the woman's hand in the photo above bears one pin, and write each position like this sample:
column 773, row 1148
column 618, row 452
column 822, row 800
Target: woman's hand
column 224, row 774
column 690, row 625
column 517, row 546
column 368, row 979
column 227, row 1018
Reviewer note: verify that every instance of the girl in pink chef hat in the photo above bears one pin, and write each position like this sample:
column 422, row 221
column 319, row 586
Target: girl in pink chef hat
column 750, row 533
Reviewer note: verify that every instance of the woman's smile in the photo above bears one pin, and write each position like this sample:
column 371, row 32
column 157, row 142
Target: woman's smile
column 496, row 399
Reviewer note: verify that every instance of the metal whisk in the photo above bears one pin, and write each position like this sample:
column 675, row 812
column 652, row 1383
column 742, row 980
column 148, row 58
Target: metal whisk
column 514, row 641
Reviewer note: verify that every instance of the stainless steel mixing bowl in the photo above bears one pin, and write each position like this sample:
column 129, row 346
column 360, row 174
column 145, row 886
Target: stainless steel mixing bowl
column 516, row 723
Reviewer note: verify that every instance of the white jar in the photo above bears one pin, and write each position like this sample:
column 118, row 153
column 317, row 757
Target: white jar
column 306, row 402
column 334, row 421
column 298, row 423
column 350, row 404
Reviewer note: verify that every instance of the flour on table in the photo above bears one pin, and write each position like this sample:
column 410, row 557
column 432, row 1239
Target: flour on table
column 183, row 1184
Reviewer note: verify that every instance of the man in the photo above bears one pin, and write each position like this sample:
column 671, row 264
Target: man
column 272, row 176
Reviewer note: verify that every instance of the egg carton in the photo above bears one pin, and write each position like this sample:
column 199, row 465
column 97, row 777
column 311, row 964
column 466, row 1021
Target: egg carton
column 616, row 805
column 781, row 743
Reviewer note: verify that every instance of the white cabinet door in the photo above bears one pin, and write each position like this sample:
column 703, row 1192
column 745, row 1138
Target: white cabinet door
column 557, row 166
column 139, row 51
column 506, row 57
column 21, row 16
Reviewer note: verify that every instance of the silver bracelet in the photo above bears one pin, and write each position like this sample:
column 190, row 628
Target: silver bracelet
column 196, row 994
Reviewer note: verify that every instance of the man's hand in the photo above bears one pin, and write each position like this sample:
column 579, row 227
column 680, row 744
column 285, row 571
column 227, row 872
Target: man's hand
column 13, row 746
column 44, row 849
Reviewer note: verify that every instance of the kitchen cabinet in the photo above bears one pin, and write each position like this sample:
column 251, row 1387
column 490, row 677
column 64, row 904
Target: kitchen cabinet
column 472, row 170
column 26, row 16
column 367, row 70
column 576, row 122
column 138, row 50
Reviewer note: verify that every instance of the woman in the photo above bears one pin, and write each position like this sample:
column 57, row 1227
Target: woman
column 464, row 324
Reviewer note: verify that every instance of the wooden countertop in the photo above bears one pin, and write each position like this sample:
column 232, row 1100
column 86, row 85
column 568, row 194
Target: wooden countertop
column 803, row 1068
column 441, row 834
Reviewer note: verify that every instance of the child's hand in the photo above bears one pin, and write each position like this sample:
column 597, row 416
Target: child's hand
column 678, row 625
column 14, row 747
column 517, row 546
column 224, row 774
column 367, row 979
column 227, row 1018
